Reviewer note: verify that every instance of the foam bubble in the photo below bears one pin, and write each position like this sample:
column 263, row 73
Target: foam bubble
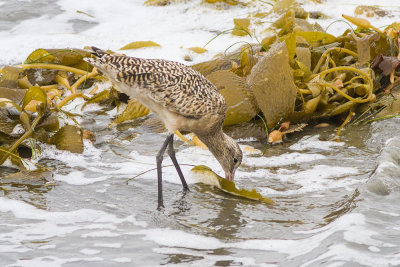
column 281, row 160
column 88, row 251
column 313, row 142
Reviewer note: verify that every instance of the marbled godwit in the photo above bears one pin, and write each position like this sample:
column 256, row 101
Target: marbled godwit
column 183, row 99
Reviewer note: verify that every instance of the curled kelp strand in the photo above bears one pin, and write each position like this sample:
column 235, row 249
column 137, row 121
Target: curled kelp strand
column 52, row 67
column 25, row 136
column 325, row 54
column 341, row 108
column 345, row 122
column 346, row 68
column 62, row 80
column 82, row 79
column 68, row 98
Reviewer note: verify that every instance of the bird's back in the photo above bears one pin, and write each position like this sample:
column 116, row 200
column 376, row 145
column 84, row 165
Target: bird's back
column 173, row 85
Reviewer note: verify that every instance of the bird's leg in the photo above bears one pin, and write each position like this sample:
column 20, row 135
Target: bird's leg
column 159, row 159
column 171, row 153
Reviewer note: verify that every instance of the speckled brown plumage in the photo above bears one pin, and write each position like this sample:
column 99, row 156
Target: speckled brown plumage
column 175, row 86
column 183, row 99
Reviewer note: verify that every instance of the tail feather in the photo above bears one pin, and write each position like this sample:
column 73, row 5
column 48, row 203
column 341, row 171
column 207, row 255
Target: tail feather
column 96, row 62
column 100, row 62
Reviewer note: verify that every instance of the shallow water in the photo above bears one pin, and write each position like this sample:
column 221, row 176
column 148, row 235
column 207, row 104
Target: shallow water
column 324, row 213
column 336, row 202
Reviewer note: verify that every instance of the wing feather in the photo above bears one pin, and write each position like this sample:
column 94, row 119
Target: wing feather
column 185, row 91
column 173, row 85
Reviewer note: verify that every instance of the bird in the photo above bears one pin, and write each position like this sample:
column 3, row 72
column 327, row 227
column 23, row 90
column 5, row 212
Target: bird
column 181, row 97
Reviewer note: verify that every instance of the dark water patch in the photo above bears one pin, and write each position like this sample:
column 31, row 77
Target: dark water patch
column 13, row 12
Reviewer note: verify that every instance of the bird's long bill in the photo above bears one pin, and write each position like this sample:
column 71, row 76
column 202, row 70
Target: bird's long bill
column 229, row 176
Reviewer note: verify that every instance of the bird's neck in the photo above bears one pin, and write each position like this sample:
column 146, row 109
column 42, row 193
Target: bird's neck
column 216, row 142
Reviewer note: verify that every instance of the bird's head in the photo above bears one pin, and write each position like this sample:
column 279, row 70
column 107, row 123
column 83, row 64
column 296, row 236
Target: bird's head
column 230, row 157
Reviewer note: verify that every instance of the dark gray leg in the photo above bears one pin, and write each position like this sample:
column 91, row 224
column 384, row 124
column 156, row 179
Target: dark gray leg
column 171, row 153
column 159, row 159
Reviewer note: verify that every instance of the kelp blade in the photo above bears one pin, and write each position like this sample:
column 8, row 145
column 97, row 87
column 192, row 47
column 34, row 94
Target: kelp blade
column 241, row 106
column 40, row 56
column 230, row 188
column 198, row 50
column 273, row 87
column 68, row 138
column 211, row 178
column 34, row 93
column 139, row 44
column 133, row 110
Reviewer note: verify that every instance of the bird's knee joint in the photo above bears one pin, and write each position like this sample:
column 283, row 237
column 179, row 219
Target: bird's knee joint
column 159, row 157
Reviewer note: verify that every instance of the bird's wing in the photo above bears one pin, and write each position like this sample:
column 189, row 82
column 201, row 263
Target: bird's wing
column 175, row 86
column 180, row 89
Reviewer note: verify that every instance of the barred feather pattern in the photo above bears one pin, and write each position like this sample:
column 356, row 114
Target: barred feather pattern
column 175, row 86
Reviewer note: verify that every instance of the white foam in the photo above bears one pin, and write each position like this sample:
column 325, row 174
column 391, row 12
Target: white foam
column 100, row 234
column 51, row 261
column 44, row 247
column 172, row 26
column 349, row 225
column 77, row 178
column 56, row 224
column 189, row 29
column 313, row 142
column 122, row 260
column 335, row 9
column 317, row 178
column 88, row 251
column 373, row 249
column 107, row 245
column 281, row 160
column 347, row 254
column 23, row 210
column 90, row 154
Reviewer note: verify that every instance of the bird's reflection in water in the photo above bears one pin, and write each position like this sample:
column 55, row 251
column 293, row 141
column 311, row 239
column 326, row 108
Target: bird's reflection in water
column 222, row 217
column 208, row 211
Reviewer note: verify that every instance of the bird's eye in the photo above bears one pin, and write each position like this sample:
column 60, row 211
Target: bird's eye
column 235, row 160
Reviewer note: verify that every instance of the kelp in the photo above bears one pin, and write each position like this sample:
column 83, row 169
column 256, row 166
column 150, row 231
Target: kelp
column 134, row 110
column 68, row 138
column 360, row 22
column 229, row 2
column 36, row 96
column 241, row 27
column 139, row 44
column 205, row 175
column 297, row 72
column 241, row 106
column 37, row 105
column 9, row 77
column 273, row 88
column 276, row 136
column 370, row 11
column 13, row 95
column 198, row 50
column 323, row 75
